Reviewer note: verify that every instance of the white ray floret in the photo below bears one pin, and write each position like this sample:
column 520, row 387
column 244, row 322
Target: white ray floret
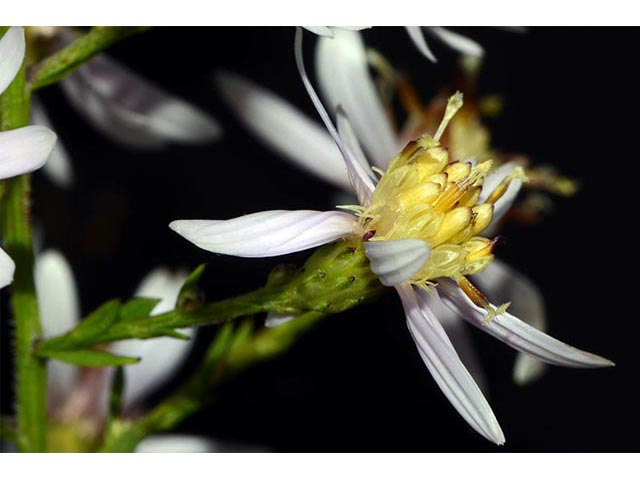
column 267, row 234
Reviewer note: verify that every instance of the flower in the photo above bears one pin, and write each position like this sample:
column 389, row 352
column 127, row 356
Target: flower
column 81, row 394
column 124, row 107
column 22, row 150
column 460, row 43
column 420, row 224
column 343, row 72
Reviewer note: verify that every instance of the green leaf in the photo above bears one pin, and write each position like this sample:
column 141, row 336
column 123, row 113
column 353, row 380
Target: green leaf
column 137, row 308
column 190, row 298
column 98, row 321
column 89, row 358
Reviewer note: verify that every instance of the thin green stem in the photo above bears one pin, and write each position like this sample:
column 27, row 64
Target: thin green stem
column 231, row 352
column 261, row 300
column 16, row 232
column 66, row 61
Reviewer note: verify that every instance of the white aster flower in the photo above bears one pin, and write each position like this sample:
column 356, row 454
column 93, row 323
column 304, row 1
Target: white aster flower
column 128, row 109
column 343, row 72
column 22, row 150
column 420, row 224
column 73, row 389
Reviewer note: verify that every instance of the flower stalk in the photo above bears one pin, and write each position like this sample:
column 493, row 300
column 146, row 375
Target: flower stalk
column 335, row 278
column 66, row 61
column 16, row 234
column 234, row 349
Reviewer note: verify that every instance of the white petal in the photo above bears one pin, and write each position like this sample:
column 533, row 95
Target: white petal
column 501, row 283
column 458, row 42
column 58, row 167
column 458, row 332
column 445, row 366
column 7, row 268
column 504, row 203
column 360, row 173
column 328, row 31
column 12, row 48
column 59, row 308
column 178, row 443
column 284, row 128
column 276, row 319
column 417, row 35
column 267, row 234
column 321, row 31
column 163, row 284
column 24, row 150
column 177, row 121
column 517, row 334
column 396, row 261
column 161, row 357
column 343, row 74
column 347, row 154
column 129, row 109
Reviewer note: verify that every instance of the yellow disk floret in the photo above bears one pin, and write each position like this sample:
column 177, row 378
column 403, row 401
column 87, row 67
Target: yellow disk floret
column 425, row 196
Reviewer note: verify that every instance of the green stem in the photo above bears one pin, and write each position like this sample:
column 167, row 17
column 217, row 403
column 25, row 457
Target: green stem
column 335, row 278
column 261, row 300
column 16, row 230
column 230, row 353
column 80, row 51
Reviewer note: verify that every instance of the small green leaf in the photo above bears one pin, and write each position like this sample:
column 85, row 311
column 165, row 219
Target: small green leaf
column 90, row 358
column 137, row 308
column 99, row 320
column 191, row 298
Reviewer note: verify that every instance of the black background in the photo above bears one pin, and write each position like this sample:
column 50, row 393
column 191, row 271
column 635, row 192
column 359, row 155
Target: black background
column 356, row 382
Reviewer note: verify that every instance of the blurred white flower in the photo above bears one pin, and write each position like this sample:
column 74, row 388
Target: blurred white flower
column 161, row 357
column 395, row 219
column 128, row 109
column 343, row 73
column 60, row 311
column 22, row 150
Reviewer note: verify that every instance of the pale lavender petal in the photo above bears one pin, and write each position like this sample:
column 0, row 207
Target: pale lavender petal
column 458, row 42
column 502, row 206
column 501, row 283
column 160, row 357
column 7, row 269
column 24, row 150
column 284, row 128
column 59, row 308
column 58, row 168
column 518, row 334
column 132, row 110
column 343, row 73
column 347, row 154
column 12, row 48
column 447, row 369
column 396, row 261
column 458, row 332
column 276, row 319
column 267, row 234
column 361, row 176
column 417, row 35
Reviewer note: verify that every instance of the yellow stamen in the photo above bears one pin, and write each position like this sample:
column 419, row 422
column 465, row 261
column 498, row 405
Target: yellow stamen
column 453, row 105
column 500, row 190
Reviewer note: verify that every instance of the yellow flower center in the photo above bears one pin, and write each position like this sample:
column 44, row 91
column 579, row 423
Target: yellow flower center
column 423, row 195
